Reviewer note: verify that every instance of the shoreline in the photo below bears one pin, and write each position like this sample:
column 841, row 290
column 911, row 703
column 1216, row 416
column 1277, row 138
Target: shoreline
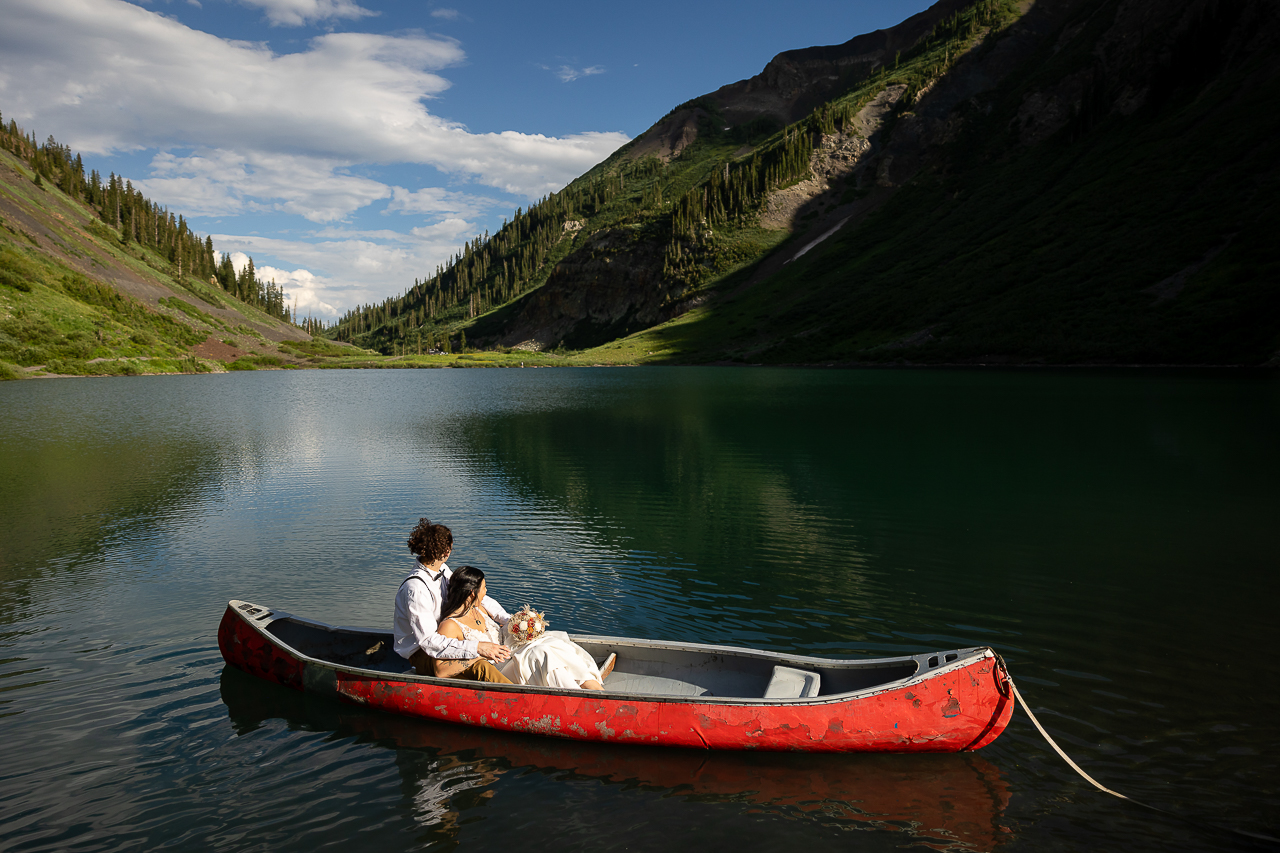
column 32, row 373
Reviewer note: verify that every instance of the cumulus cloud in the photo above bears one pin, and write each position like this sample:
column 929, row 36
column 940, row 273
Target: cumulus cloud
column 239, row 128
column 436, row 200
column 223, row 182
column 346, row 267
column 302, row 290
column 111, row 76
column 295, row 13
column 568, row 74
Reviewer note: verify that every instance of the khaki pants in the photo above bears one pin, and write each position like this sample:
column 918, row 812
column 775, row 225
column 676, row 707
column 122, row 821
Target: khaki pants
column 479, row 670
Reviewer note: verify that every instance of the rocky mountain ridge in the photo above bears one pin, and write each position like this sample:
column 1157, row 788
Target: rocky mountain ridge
column 1057, row 181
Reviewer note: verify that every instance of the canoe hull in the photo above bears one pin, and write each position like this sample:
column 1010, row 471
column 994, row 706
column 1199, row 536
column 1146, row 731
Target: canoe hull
column 956, row 708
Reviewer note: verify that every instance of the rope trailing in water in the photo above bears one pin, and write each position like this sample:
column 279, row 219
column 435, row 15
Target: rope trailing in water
column 1095, row 783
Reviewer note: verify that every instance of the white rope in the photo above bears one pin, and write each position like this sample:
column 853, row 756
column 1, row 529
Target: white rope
column 1095, row 783
column 1058, row 749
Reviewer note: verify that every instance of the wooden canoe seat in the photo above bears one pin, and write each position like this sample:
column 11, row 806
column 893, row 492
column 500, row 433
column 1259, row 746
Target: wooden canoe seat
column 788, row 683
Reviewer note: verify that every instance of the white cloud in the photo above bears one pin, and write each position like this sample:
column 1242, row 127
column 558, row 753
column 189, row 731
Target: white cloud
column 295, row 13
column 226, row 182
column 302, row 290
column 343, row 267
column 436, row 200
column 239, row 128
column 109, row 76
column 446, row 14
column 568, row 74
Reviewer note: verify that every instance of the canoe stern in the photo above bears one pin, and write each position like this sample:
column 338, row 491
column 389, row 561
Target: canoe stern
column 245, row 646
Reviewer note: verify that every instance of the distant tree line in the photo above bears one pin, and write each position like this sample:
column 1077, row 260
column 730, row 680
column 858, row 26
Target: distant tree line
column 489, row 270
column 124, row 208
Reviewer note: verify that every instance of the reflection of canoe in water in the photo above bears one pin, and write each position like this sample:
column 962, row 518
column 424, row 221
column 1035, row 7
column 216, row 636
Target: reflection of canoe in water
column 672, row 694
column 939, row 801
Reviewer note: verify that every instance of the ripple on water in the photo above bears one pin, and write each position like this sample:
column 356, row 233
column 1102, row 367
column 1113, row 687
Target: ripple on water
column 833, row 513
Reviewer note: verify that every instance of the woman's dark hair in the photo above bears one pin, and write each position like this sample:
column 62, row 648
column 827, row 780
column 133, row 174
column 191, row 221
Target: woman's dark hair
column 464, row 583
column 430, row 542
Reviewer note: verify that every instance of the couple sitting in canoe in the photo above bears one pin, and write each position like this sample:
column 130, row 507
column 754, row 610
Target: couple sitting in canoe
column 447, row 626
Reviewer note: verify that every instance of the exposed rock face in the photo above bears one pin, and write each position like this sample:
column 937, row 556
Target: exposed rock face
column 834, row 160
column 1078, row 60
column 610, row 286
column 669, row 137
column 795, row 82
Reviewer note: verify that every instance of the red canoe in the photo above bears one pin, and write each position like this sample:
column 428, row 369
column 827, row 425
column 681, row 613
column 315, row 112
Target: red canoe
column 674, row 694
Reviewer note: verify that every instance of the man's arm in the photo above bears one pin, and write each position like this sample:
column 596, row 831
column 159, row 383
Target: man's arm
column 445, row 648
column 422, row 620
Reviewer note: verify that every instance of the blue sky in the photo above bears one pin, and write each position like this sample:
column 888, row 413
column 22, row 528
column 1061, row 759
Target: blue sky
column 350, row 146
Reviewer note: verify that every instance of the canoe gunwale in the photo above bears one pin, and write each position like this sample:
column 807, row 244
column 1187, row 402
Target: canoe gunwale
column 964, row 657
column 958, row 706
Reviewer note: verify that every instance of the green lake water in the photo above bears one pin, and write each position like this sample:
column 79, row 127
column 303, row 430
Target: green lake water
column 1115, row 535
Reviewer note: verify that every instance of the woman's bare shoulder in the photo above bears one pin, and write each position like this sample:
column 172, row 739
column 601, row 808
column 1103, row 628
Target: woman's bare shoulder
column 450, row 629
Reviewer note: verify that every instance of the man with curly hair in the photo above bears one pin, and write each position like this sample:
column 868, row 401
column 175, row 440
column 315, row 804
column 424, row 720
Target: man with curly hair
column 418, row 604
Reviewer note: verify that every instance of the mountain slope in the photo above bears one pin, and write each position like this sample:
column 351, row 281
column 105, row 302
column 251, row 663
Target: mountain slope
column 650, row 232
column 77, row 299
column 1065, row 181
column 1133, row 223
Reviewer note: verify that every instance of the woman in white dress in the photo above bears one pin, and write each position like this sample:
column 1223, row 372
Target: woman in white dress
column 552, row 660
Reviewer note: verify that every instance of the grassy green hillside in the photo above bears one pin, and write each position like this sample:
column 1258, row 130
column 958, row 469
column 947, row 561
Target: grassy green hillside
column 77, row 299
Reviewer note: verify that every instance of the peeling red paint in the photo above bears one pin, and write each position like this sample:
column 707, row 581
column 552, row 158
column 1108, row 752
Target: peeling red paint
column 926, row 717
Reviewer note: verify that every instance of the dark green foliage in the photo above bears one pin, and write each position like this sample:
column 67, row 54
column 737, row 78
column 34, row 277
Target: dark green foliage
column 319, row 348
column 16, row 271
column 253, row 362
column 1113, row 246
column 123, row 209
column 129, row 312
column 247, row 287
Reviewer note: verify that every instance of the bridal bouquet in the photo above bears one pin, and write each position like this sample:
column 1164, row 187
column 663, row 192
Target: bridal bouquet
column 526, row 625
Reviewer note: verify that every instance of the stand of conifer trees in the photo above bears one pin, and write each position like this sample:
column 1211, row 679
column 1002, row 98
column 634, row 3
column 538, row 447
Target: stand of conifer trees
column 122, row 207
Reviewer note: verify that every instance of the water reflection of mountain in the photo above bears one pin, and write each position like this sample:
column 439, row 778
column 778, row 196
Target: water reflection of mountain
column 68, row 502
column 723, row 477
column 944, row 802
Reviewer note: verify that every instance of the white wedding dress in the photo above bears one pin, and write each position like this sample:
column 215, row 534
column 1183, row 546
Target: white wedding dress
column 552, row 660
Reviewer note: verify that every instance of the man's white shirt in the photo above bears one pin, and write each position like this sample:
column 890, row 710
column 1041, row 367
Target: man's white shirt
column 418, row 604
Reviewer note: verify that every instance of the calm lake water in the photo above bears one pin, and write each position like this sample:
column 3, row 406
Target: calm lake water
column 1116, row 536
